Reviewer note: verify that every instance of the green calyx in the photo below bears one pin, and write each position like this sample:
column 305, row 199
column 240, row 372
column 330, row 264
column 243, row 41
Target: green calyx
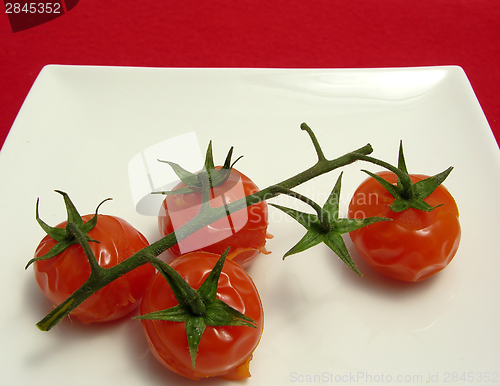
column 193, row 181
column 198, row 308
column 406, row 193
column 72, row 234
column 326, row 226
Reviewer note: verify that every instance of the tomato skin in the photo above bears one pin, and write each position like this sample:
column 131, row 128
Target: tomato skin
column 223, row 351
column 415, row 244
column 63, row 274
column 245, row 232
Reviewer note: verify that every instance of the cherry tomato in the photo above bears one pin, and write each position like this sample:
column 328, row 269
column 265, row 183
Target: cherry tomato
column 223, row 351
column 415, row 244
column 63, row 274
column 244, row 231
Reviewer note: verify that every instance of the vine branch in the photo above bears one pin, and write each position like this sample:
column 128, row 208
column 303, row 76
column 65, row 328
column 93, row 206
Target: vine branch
column 204, row 217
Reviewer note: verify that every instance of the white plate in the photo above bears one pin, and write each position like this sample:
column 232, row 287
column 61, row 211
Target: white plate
column 80, row 127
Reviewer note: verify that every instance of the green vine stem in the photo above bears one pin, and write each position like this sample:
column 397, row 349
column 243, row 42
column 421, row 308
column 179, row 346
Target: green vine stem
column 402, row 176
column 206, row 216
column 83, row 240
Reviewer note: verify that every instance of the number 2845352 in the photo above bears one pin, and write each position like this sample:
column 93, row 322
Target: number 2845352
column 33, row 8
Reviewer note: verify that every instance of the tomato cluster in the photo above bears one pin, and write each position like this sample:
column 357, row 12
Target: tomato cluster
column 225, row 350
column 201, row 313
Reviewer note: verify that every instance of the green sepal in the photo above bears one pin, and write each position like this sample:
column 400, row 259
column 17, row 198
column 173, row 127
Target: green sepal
column 424, row 188
column 336, row 243
column 399, row 205
column 215, row 311
column 327, row 227
column 307, row 220
column 61, row 235
column 208, row 290
column 192, row 181
column 393, row 190
column 54, row 251
column 58, row 234
column 185, row 295
column 73, row 215
column 185, row 176
column 209, row 157
column 89, row 225
column 407, row 194
column 309, row 240
column 195, row 327
column 221, row 314
column 401, row 159
column 347, row 225
column 177, row 313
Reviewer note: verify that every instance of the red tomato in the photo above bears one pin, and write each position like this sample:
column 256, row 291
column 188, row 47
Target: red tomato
column 245, row 231
column 63, row 274
column 415, row 244
column 223, row 351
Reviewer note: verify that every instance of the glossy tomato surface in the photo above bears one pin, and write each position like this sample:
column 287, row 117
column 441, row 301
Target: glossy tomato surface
column 415, row 244
column 223, row 351
column 63, row 274
column 245, row 231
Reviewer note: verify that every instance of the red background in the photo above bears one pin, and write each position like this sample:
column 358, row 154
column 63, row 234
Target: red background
column 257, row 33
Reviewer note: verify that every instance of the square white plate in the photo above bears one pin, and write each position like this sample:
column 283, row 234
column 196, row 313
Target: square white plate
column 81, row 126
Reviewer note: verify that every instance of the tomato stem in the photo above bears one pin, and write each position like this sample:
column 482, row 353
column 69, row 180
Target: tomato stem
column 404, row 178
column 83, row 239
column 407, row 194
column 317, row 147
